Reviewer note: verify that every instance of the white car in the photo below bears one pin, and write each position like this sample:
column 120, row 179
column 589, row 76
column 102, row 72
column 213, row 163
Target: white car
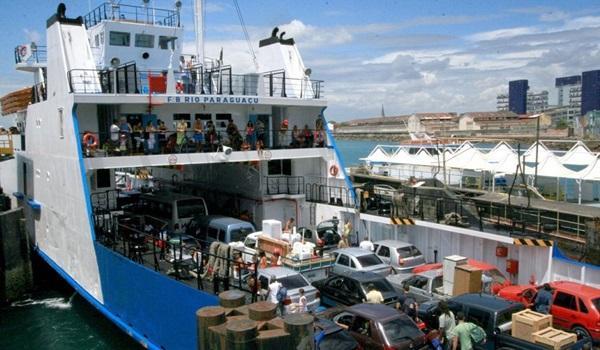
column 293, row 281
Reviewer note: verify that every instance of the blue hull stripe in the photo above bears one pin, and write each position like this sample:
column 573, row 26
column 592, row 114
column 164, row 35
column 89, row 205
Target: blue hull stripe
column 95, row 303
column 339, row 156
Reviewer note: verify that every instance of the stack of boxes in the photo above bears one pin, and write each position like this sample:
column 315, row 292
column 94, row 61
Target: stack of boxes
column 537, row 328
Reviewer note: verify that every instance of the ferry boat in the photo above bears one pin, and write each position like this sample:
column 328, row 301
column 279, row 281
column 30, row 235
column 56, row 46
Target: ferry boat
column 115, row 101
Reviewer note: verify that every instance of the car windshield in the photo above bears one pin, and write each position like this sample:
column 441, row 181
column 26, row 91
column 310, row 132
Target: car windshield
column 293, row 282
column 401, row 329
column 495, row 275
column 596, row 303
column 505, row 317
column 369, row 260
column 188, row 208
column 381, row 285
column 250, row 242
column 238, row 235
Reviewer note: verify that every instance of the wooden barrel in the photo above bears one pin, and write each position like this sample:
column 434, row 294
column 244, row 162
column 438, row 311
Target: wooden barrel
column 207, row 317
column 262, row 311
column 241, row 334
column 301, row 330
column 232, row 298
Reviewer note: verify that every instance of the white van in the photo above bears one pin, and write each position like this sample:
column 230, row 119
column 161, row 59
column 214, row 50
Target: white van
column 176, row 208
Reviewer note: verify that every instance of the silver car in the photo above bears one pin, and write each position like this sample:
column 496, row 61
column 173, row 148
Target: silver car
column 348, row 260
column 293, row 281
column 401, row 255
column 423, row 286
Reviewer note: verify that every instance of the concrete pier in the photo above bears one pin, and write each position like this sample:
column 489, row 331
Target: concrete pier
column 16, row 275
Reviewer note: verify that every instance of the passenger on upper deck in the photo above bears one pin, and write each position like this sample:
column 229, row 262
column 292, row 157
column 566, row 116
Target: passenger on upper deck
column 198, row 134
column 150, row 136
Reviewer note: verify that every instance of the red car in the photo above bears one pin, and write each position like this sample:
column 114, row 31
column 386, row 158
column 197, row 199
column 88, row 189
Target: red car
column 499, row 280
column 575, row 306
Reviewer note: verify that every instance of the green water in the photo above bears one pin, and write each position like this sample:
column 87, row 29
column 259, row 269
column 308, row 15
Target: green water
column 53, row 319
column 57, row 318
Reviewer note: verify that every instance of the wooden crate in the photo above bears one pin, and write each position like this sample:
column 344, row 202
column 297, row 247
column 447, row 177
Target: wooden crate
column 527, row 322
column 467, row 279
column 554, row 338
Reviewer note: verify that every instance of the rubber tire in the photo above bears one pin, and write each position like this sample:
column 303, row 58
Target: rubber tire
column 580, row 331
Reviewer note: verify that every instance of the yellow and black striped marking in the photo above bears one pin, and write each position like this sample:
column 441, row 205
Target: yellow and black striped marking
column 533, row 242
column 402, row 221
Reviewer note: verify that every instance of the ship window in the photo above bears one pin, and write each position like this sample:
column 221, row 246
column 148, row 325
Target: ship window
column 144, row 40
column 181, row 116
column 61, row 121
column 203, row 116
column 223, row 116
column 102, row 178
column 280, row 167
column 163, row 42
column 119, row 38
column 97, row 40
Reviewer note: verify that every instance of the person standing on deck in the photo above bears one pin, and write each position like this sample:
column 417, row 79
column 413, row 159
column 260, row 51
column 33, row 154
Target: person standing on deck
column 198, row 134
column 181, row 129
column 543, row 300
column 289, row 225
column 347, row 231
column 374, row 296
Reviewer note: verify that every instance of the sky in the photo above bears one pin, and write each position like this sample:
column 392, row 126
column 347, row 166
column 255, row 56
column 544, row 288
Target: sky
column 407, row 56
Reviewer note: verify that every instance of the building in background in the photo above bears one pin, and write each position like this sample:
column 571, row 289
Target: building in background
column 517, row 96
column 590, row 91
column 502, row 103
column 536, row 102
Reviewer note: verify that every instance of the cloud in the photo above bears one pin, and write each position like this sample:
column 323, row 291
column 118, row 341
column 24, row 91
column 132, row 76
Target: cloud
column 32, row 35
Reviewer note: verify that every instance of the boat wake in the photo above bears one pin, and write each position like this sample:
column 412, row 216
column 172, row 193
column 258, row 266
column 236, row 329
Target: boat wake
column 51, row 303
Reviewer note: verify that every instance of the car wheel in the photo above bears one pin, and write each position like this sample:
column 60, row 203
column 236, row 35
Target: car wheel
column 581, row 332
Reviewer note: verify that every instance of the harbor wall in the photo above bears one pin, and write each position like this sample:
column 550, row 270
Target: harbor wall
column 15, row 257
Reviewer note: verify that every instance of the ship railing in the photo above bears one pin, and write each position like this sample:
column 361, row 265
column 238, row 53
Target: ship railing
column 148, row 241
column 283, row 184
column 131, row 13
column 107, row 144
column 333, row 195
column 486, row 217
column 127, row 79
column 30, row 54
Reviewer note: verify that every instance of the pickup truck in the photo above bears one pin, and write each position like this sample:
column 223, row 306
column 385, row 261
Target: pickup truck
column 313, row 269
column 494, row 315
column 423, row 287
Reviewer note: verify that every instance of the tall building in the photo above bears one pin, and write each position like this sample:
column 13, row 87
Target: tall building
column 568, row 97
column 536, row 102
column 590, row 91
column 517, row 96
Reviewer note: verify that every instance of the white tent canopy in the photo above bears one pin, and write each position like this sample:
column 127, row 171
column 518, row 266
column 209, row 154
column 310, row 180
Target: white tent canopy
column 579, row 154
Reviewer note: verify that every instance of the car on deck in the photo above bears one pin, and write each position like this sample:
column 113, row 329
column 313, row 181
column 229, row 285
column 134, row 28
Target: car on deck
column 351, row 288
column 575, row 306
column 401, row 255
column 423, row 286
column 325, row 236
column 377, row 326
column 293, row 281
column 499, row 280
column 348, row 260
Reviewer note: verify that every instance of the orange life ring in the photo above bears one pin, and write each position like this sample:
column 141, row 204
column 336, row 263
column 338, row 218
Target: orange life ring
column 333, row 170
column 23, row 50
column 94, row 139
column 179, row 87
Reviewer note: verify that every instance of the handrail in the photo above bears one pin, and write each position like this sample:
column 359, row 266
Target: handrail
column 131, row 13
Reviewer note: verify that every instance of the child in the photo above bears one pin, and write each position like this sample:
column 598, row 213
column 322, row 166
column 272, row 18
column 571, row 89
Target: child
column 303, row 303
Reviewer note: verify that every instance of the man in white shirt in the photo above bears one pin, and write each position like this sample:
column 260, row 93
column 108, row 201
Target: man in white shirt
column 273, row 290
column 366, row 244
column 114, row 133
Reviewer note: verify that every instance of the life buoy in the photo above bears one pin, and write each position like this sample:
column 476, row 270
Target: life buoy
column 90, row 137
column 333, row 170
column 179, row 87
column 23, row 50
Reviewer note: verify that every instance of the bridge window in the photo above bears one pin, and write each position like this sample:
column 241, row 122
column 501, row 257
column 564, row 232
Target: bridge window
column 119, row 38
column 144, row 40
column 163, row 42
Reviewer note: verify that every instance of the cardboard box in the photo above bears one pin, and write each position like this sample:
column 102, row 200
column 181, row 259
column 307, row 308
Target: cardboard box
column 554, row 338
column 467, row 279
column 527, row 322
column 448, row 266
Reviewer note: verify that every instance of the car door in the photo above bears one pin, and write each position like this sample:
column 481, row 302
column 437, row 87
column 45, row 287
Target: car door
column 384, row 254
column 352, row 292
column 332, row 292
column 418, row 288
column 564, row 309
column 365, row 332
column 342, row 265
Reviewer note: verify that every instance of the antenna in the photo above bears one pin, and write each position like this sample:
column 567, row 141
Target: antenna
column 199, row 30
column 243, row 24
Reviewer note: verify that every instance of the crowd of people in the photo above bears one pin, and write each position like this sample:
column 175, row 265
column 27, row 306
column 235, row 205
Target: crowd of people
column 201, row 136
